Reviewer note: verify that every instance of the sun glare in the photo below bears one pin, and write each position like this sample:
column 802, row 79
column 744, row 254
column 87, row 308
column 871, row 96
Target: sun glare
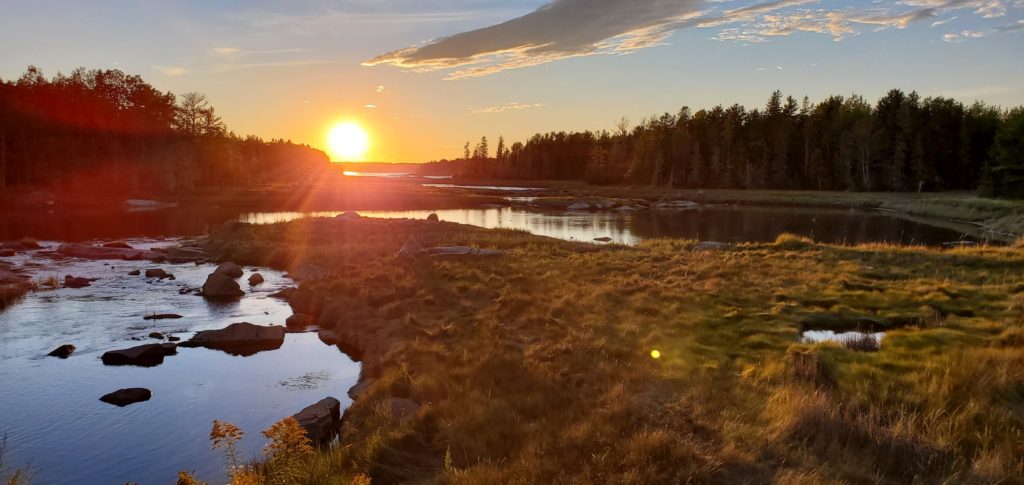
column 348, row 142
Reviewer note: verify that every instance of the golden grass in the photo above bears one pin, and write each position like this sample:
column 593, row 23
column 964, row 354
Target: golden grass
column 536, row 366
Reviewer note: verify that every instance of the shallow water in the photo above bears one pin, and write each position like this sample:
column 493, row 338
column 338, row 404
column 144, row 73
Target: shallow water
column 727, row 224
column 50, row 407
column 816, row 336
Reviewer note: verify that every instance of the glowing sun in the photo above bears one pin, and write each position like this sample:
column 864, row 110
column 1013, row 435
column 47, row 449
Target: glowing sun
column 347, row 142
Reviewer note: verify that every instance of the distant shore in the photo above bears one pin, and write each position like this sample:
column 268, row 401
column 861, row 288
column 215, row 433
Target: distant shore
column 997, row 219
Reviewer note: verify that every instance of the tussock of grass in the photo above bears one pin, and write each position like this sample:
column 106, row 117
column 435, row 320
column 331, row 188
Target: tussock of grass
column 536, row 366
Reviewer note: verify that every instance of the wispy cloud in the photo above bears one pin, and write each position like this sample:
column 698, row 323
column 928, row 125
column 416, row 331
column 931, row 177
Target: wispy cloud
column 564, row 29
column 170, row 70
column 505, row 107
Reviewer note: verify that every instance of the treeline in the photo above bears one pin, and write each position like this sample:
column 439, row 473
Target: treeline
column 901, row 143
column 104, row 130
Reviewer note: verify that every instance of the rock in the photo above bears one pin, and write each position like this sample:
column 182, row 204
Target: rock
column 6, row 253
column 603, row 239
column 183, row 255
column 220, row 285
column 711, row 246
column 162, row 316
column 433, row 219
column 98, row 252
column 117, row 244
column 144, row 355
column 76, row 282
column 172, row 338
column 578, row 206
column 64, row 351
column 134, row 273
column 229, row 269
column 403, row 409
column 156, row 335
column 321, row 421
column 255, row 279
column 348, row 216
column 463, row 251
column 299, row 320
column 676, row 204
column 157, row 273
column 239, row 339
column 411, row 249
column 124, row 397
column 361, row 388
column 627, row 208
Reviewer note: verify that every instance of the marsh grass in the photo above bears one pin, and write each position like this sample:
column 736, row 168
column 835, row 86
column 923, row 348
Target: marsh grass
column 536, row 366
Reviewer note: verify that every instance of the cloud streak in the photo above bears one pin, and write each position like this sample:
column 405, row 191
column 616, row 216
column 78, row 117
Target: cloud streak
column 565, row 29
column 504, row 108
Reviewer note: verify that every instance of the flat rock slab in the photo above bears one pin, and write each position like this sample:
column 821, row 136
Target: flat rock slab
column 124, row 397
column 239, row 339
column 143, row 356
column 463, row 251
column 321, row 420
column 98, row 252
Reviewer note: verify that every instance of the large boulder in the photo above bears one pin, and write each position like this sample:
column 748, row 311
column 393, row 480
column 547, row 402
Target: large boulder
column 230, row 269
column 321, row 420
column 64, row 351
column 239, row 339
column 220, row 285
column 143, row 356
column 124, row 397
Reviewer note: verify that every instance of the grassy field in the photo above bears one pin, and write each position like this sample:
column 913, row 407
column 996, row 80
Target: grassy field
column 539, row 366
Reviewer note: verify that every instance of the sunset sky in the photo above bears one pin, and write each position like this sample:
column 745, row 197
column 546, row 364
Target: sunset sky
column 425, row 77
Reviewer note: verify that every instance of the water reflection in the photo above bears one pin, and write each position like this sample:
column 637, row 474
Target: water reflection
column 728, row 224
column 50, row 407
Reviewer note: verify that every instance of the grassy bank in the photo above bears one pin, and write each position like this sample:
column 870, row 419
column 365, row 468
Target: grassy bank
column 539, row 366
column 1005, row 217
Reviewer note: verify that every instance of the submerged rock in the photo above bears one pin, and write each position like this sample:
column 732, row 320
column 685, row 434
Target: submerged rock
column 64, row 351
column 124, row 397
column 603, row 239
column 149, row 355
column 321, row 420
column 76, row 282
column 162, row 316
column 134, row 273
column 220, row 285
column 117, row 244
column 255, row 279
column 229, row 269
column 239, row 339
column 156, row 335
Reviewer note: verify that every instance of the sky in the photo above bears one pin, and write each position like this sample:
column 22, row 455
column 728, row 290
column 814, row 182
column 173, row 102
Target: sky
column 424, row 77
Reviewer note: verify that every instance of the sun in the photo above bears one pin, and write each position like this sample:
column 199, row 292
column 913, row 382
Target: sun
column 348, row 142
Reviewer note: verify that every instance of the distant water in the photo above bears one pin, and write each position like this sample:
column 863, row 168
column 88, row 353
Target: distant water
column 50, row 408
column 727, row 224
